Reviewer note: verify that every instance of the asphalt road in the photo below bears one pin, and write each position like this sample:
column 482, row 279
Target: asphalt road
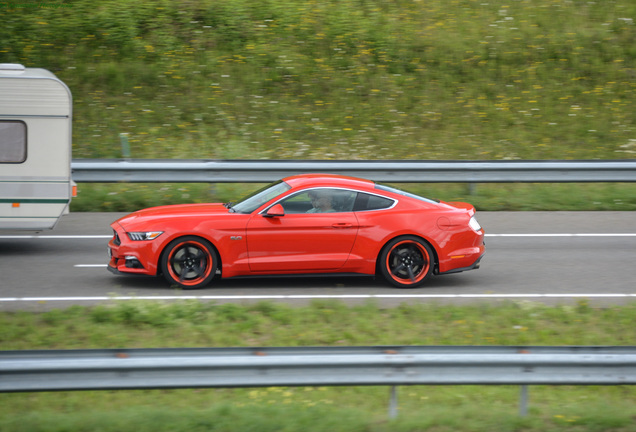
column 553, row 257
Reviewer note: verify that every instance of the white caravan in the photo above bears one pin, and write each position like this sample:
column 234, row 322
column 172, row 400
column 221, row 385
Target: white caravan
column 35, row 148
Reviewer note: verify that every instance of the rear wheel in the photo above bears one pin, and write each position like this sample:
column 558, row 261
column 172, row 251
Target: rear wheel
column 189, row 262
column 406, row 262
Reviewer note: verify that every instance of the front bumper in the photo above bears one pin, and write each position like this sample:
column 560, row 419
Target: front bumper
column 113, row 270
column 131, row 257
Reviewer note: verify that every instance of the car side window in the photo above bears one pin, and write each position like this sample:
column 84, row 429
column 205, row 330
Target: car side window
column 366, row 202
column 320, row 200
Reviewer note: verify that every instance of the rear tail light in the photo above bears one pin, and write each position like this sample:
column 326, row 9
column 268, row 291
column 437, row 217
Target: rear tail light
column 474, row 224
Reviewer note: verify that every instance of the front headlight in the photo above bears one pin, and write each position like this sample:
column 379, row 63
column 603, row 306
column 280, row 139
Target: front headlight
column 474, row 224
column 139, row 236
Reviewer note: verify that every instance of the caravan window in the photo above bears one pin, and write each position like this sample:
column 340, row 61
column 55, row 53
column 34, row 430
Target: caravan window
column 12, row 142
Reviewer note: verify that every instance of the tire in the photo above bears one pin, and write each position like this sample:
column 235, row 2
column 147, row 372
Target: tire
column 189, row 262
column 406, row 262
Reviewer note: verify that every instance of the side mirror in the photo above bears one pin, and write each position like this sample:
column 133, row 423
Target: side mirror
column 275, row 211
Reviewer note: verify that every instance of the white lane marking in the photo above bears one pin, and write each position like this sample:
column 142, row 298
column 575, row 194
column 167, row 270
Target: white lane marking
column 320, row 296
column 90, row 265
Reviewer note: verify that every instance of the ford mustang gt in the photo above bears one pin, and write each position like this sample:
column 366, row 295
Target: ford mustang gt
column 302, row 225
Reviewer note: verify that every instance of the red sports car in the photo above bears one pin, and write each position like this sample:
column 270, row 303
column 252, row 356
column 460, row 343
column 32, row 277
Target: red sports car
column 304, row 224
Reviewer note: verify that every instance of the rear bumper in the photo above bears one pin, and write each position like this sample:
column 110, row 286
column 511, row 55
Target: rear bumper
column 473, row 266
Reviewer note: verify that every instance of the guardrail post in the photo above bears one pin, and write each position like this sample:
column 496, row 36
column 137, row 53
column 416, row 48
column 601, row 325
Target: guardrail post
column 393, row 403
column 523, row 401
column 125, row 145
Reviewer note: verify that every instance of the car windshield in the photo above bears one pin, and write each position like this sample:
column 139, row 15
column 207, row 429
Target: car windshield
column 386, row 188
column 260, row 197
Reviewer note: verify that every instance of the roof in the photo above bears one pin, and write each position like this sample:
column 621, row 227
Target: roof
column 13, row 70
column 32, row 92
column 317, row 179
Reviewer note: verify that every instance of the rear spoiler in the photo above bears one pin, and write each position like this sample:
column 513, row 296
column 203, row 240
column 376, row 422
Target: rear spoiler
column 463, row 205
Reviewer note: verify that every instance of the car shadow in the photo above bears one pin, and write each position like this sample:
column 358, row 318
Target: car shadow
column 289, row 283
column 14, row 247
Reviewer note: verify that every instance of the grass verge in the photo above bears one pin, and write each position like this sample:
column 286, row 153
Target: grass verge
column 485, row 197
column 432, row 408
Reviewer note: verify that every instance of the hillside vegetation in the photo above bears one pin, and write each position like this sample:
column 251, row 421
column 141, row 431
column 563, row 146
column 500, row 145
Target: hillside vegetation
column 345, row 79
column 341, row 79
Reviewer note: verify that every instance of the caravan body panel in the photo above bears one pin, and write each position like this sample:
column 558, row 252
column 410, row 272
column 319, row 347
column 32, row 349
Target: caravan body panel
column 35, row 149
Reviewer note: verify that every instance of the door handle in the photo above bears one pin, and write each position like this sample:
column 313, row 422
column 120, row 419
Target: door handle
column 342, row 225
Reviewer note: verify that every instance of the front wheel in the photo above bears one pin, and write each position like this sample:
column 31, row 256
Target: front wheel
column 189, row 262
column 406, row 262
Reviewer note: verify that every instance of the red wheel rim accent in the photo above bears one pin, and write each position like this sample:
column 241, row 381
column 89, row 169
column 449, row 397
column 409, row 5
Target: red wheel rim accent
column 190, row 263
column 408, row 262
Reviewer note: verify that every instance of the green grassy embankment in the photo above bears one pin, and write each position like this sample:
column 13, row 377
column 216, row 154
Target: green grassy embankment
column 347, row 79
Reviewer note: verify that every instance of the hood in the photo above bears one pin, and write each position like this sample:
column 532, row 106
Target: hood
column 162, row 213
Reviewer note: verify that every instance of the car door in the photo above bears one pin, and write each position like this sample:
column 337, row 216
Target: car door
column 303, row 238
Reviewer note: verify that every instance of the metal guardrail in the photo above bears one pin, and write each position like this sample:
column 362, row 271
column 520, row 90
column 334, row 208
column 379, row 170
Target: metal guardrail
column 264, row 171
column 58, row 370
